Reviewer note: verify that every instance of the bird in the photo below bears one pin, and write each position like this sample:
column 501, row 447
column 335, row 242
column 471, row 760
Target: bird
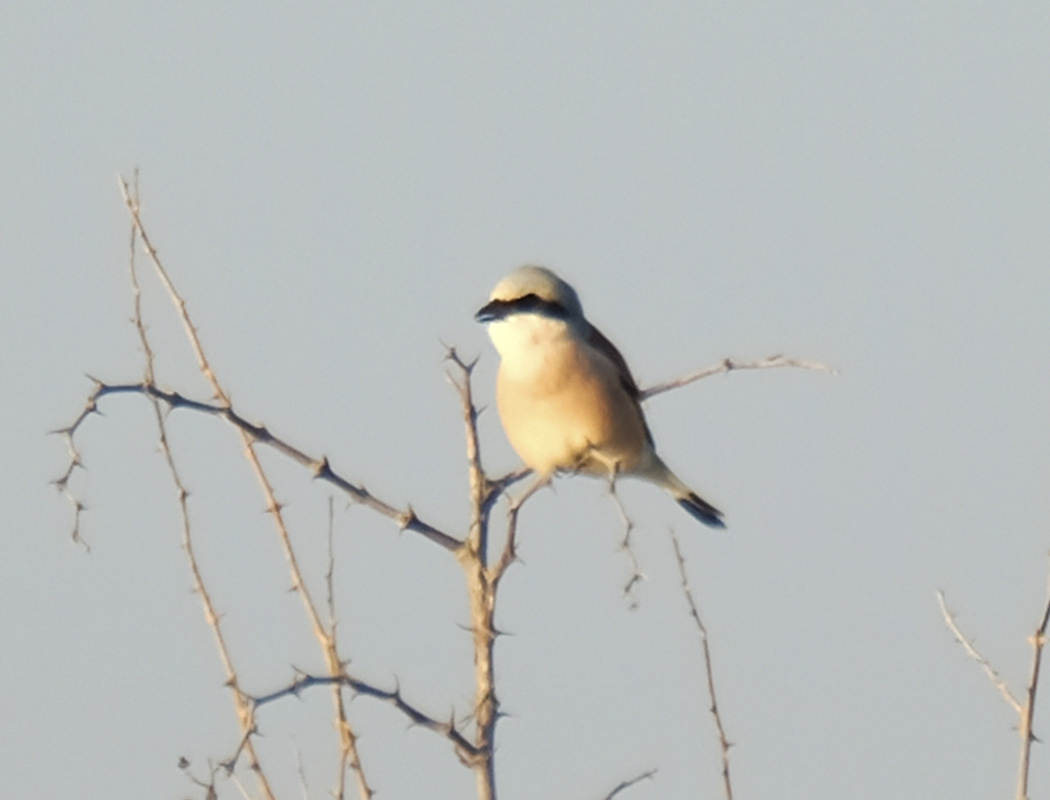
column 566, row 397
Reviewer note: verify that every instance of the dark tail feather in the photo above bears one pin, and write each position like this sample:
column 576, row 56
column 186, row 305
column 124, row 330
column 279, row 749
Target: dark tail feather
column 702, row 510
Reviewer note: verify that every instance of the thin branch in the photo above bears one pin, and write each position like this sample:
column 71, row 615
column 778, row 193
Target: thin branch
column 629, row 783
column 467, row 751
column 480, row 488
column 729, row 365
column 637, row 576
column 472, row 552
column 971, row 651
column 1038, row 641
column 61, row 483
column 481, row 591
column 500, row 485
column 694, row 611
column 320, row 467
column 509, row 554
column 132, row 204
column 349, row 756
column 245, row 714
column 321, row 633
column 211, row 793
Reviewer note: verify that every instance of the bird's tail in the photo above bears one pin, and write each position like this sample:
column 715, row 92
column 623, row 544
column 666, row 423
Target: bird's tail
column 660, row 474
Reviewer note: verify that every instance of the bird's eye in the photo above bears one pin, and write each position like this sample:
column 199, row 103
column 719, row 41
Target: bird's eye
column 535, row 303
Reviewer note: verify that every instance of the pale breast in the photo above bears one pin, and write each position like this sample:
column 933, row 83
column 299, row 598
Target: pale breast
column 568, row 410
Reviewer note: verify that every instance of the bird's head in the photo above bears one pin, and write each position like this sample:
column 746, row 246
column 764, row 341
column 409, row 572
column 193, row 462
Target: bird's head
column 532, row 290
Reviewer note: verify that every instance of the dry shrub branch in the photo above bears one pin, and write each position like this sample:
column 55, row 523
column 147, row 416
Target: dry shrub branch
column 472, row 740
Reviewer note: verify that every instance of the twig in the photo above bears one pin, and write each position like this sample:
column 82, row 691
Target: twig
column 62, row 481
column 629, row 783
column 637, row 576
column 1038, row 641
column 723, row 740
column 1025, row 711
column 320, row 467
column 321, row 633
column 348, row 754
column 729, row 365
column 971, row 651
column 245, row 714
column 480, row 488
column 468, row 752
column 481, row 592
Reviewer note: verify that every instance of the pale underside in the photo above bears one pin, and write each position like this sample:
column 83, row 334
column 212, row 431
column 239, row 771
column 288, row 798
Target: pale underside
column 566, row 407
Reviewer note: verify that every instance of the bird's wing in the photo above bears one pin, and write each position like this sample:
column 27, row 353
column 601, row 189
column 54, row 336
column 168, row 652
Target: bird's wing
column 597, row 340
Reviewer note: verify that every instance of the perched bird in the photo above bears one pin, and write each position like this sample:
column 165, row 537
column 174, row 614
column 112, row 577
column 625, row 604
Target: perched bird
column 566, row 397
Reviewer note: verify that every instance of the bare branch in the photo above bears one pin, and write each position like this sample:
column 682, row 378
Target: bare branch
column 131, row 202
column 61, row 483
column 480, row 489
column 245, row 714
column 637, row 576
column 474, row 738
column 629, row 783
column 1038, row 641
column 729, row 365
column 249, row 439
column 1026, row 711
column 349, row 756
column 694, row 611
column 320, row 467
column 467, row 752
column 482, row 584
column 971, row 651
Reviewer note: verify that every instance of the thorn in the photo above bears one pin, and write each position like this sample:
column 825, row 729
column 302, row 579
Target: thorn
column 406, row 518
column 322, row 468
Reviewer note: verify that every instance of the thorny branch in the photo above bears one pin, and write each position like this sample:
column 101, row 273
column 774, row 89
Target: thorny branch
column 1025, row 711
column 625, row 544
column 245, row 714
column 629, row 783
column 729, row 365
column 1038, row 641
column 482, row 584
column 324, row 637
column 468, row 752
column 482, row 575
column 320, row 467
column 972, row 652
column 694, row 612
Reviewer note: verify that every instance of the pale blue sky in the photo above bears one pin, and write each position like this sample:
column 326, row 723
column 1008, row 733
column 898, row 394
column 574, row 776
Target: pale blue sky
column 336, row 188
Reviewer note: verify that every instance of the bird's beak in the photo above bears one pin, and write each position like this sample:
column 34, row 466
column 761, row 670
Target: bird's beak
column 490, row 312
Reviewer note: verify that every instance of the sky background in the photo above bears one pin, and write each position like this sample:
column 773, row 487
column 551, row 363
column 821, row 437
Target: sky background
column 336, row 187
